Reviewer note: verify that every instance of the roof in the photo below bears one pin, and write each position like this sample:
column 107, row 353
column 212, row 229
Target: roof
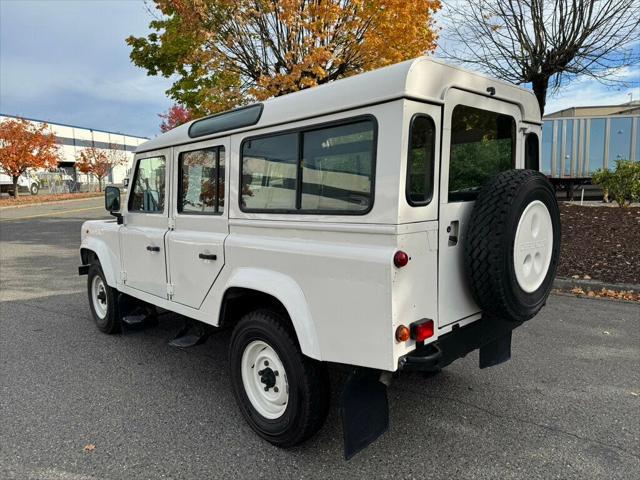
column 423, row 78
column 71, row 126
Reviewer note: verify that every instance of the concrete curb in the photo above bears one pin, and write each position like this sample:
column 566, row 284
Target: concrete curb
column 52, row 202
column 595, row 285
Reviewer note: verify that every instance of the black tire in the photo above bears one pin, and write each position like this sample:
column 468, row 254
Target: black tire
column 308, row 399
column 489, row 244
column 34, row 188
column 110, row 322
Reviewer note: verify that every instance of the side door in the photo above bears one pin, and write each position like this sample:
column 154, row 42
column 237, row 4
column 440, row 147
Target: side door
column 145, row 225
column 480, row 139
column 195, row 244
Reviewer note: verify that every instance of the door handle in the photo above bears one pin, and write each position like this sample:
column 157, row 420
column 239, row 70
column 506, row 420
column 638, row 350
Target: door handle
column 151, row 248
column 208, row 256
column 452, row 230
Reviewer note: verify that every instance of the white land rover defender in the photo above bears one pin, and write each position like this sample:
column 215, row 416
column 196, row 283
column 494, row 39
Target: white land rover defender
column 389, row 221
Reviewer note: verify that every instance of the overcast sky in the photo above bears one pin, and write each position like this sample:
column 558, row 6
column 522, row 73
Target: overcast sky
column 66, row 61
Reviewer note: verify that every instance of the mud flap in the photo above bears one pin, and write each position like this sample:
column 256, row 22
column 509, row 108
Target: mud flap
column 364, row 410
column 496, row 352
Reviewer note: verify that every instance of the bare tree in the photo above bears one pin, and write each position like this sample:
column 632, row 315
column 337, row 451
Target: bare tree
column 545, row 43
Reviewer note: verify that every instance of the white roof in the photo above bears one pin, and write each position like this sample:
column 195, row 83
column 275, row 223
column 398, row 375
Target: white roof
column 423, row 78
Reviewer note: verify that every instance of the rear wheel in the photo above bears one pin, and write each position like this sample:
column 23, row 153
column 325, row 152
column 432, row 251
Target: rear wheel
column 102, row 301
column 283, row 395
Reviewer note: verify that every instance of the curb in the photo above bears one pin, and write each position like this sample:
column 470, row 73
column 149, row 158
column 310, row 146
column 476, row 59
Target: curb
column 595, row 285
column 52, row 202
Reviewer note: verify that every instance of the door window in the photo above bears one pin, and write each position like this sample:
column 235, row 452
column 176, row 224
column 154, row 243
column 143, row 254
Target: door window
column 147, row 193
column 201, row 182
column 531, row 152
column 420, row 160
column 482, row 145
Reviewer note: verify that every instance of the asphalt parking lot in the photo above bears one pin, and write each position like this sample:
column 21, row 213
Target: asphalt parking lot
column 566, row 406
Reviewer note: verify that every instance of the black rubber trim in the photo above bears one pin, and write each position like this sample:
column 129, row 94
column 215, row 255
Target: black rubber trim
column 456, row 344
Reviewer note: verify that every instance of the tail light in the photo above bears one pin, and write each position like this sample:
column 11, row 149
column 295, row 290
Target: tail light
column 400, row 259
column 421, row 330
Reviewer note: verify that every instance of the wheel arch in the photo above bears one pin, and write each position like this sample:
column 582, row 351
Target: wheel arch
column 249, row 289
column 95, row 250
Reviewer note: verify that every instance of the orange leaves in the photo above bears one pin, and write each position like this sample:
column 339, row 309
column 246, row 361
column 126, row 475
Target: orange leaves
column 98, row 162
column 246, row 50
column 628, row 295
column 24, row 145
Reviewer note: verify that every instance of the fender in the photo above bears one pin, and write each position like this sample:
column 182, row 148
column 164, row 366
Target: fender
column 289, row 293
column 101, row 237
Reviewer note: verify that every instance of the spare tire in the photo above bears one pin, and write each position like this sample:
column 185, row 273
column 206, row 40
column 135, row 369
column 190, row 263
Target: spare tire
column 512, row 245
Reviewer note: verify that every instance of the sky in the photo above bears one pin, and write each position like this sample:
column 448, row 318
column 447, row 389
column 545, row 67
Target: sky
column 66, row 61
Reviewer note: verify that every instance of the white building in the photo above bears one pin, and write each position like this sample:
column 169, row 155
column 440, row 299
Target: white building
column 72, row 139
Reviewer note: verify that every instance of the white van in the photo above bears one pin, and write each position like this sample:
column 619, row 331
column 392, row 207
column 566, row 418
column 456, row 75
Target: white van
column 389, row 221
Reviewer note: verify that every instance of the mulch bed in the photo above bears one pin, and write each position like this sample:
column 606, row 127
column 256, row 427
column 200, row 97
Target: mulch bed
column 600, row 243
column 30, row 199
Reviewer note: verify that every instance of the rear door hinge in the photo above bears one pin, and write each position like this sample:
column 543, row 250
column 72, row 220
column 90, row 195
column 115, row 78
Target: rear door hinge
column 123, row 276
column 169, row 291
column 172, row 223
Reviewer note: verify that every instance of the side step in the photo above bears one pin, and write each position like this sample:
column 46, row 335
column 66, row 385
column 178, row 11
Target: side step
column 191, row 334
column 135, row 315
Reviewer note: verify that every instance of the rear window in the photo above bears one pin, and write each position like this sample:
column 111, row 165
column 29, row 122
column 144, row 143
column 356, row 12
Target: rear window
column 420, row 160
column 482, row 145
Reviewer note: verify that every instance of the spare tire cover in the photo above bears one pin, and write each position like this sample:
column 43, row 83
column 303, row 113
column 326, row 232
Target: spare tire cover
column 512, row 245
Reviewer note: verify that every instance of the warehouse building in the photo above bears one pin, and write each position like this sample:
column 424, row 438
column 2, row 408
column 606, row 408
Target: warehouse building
column 72, row 139
column 579, row 140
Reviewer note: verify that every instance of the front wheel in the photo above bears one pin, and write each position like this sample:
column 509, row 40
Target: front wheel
column 34, row 188
column 283, row 395
column 102, row 301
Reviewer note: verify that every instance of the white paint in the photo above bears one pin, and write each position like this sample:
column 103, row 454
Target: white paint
column 333, row 273
column 532, row 246
column 269, row 401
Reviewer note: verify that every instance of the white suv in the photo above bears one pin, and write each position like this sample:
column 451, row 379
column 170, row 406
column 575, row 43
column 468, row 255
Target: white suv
column 390, row 221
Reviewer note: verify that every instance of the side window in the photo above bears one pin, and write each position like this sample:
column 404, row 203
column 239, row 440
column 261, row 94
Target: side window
column 310, row 171
column 201, row 183
column 532, row 152
column 148, row 186
column 420, row 160
column 337, row 167
column 482, row 145
column 269, row 172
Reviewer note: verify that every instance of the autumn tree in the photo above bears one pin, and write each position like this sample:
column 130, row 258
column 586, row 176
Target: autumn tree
column 544, row 43
column 175, row 116
column 99, row 162
column 25, row 145
column 225, row 53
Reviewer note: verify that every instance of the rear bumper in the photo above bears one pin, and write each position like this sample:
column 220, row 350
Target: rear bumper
column 486, row 332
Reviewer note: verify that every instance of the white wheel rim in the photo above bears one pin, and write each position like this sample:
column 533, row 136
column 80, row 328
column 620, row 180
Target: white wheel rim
column 260, row 363
column 533, row 246
column 99, row 296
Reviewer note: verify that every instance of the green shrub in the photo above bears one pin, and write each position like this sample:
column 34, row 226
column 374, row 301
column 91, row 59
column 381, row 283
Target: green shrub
column 623, row 185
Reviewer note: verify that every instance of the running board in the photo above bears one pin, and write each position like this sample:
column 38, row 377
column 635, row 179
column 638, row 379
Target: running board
column 135, row 316
column 191, row 334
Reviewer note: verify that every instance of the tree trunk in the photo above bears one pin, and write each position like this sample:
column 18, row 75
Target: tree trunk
column 99, row 184
column 15, row 185
column 540, row 86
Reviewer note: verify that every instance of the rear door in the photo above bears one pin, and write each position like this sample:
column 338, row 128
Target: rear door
column 480, row 139
column 195, row 244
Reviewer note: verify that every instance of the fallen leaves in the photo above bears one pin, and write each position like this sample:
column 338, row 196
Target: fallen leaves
column 89, row 447
column 628, row 295
column 28, row 199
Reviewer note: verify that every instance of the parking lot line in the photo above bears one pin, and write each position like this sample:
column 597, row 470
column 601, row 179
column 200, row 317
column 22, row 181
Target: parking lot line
column 57, row 212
